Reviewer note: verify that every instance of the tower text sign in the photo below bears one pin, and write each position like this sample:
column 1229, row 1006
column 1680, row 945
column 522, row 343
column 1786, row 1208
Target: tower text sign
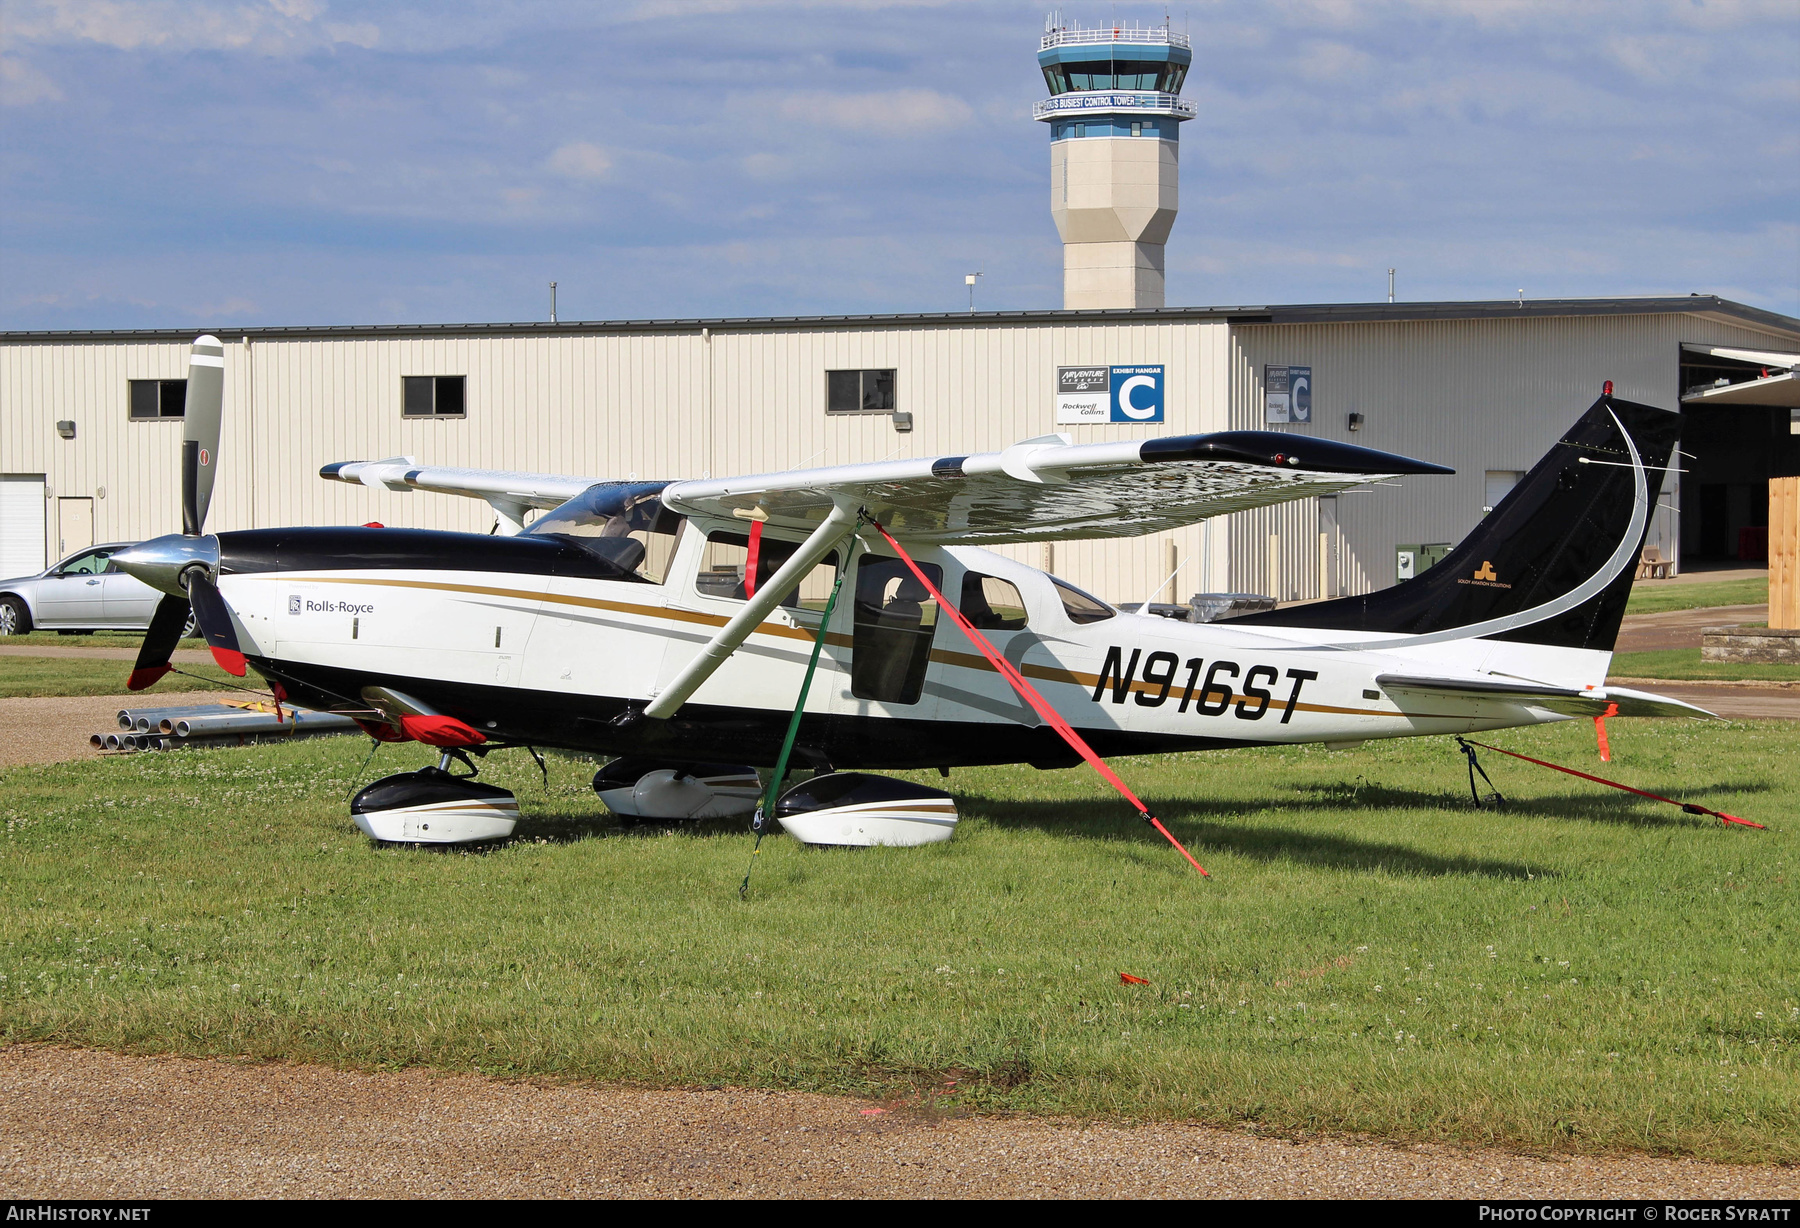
column 1109, row 394
column 1287, row 394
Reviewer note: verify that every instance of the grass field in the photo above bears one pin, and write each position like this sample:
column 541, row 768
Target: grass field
column 38, row 676
column 1678, row 663
column 1580, row 970
column 1660, row 598
column 97, row 639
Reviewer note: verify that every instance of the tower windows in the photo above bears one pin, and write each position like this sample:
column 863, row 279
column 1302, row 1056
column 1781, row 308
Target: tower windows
column 157, row 398
column 432, row 396
column 1137, row 129
column 859, row 392
column 1165, row 77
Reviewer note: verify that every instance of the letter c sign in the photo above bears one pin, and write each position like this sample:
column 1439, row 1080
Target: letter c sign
column 1137, row 394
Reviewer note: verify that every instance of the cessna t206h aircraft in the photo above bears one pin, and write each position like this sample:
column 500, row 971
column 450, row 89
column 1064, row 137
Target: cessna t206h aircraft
column 671, row 624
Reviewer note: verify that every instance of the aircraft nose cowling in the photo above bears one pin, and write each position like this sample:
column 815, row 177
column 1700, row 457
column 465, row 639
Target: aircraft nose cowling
column 161, row 562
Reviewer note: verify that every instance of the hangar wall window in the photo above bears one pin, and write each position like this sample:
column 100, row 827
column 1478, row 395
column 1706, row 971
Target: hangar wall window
column 152, row 399
column 859, row 392
column 432, row 396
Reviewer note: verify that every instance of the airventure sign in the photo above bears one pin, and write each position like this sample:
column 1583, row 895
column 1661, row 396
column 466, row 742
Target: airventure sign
column 1109, row 394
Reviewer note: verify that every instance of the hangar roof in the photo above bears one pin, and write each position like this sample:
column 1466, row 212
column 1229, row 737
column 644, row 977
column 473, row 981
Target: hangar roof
column 1707, row 305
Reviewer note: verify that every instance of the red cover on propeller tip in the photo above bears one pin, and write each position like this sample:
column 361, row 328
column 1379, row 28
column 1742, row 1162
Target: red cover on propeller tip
column 231, row 661
column 441, row 731
column 147, row 676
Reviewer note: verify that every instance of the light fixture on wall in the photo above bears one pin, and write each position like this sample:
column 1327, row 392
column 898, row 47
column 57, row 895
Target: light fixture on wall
column 903, row 420
column 66, row 429
column 1356, row 421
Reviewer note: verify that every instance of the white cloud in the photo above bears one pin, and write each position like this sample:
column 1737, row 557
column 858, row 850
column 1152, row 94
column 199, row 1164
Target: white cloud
column 21, row 84
column 272, row 27
column 580, row 160
column 364, row 34
column 890, row 111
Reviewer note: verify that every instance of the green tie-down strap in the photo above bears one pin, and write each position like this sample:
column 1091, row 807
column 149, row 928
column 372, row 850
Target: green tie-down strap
column 765, row 813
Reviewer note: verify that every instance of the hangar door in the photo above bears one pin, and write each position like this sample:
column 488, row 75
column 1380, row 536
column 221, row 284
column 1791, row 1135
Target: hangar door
column 21, row 524
column 1739, row 427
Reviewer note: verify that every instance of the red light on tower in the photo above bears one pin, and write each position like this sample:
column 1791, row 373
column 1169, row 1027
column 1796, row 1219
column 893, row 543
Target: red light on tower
column 1607, row 391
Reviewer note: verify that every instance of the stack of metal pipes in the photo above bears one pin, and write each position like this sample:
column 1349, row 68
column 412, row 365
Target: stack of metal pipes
column 214, row 725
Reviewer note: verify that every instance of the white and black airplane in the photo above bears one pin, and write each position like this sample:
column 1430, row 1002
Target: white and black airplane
column 670, row 624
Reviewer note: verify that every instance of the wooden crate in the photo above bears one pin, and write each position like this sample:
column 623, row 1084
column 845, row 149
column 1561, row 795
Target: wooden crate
column 1784, row 552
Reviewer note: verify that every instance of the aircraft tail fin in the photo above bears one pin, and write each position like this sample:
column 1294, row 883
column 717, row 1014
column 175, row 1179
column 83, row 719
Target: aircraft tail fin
column 1552, row 564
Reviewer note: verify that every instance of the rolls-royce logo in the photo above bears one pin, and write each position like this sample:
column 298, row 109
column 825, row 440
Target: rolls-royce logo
column 293, row 605
column 1486, row 572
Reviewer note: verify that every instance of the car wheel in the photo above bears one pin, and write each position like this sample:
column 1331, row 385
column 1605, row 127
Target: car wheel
column 15, row 618
column 191, row 627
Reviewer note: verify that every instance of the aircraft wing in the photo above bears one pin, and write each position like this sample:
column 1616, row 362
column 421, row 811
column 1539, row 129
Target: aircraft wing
column 1049, row 488
column 403, row 473
column 1566, row 700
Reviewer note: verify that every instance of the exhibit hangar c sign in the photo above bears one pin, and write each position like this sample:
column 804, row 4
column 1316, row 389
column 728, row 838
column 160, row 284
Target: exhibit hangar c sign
column 1109, row 394
column 1102, row 395
column 1287, row 394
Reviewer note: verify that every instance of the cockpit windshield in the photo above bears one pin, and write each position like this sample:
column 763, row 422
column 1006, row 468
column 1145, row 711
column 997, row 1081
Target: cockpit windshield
column 623, row 523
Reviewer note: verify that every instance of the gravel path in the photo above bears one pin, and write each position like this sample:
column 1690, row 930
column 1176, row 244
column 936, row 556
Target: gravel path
column 52, row 730
column 85, row 1124
column 1682, row 628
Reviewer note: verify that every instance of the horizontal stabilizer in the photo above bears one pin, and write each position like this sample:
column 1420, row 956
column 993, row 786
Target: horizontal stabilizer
column 1567, row 700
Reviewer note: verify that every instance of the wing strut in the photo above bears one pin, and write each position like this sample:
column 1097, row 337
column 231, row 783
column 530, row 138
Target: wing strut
column 718, row 650
column 1030, row 695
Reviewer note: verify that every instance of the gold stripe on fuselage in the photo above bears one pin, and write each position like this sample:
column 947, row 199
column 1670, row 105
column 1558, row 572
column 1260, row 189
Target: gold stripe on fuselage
column 941, row 656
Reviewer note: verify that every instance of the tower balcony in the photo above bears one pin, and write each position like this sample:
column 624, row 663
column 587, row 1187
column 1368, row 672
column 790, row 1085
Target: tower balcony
column 1076, row 37
column 1100, row 102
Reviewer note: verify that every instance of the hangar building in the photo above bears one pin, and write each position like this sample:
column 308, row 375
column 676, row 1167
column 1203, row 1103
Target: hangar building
column 90, row 421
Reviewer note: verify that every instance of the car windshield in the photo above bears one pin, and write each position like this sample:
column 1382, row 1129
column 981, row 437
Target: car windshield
column 623, row 523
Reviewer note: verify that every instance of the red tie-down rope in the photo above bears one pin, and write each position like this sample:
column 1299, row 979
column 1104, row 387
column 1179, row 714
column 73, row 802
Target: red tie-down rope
column 1687, row 807
column 1030, row 695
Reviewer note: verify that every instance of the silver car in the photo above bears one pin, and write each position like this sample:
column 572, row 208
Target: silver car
column 84, row 592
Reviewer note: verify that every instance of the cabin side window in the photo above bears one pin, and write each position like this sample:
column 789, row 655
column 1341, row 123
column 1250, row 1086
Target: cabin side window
column 896, row 618
column 991, row 604
column 725, row 564
column 1079, row 606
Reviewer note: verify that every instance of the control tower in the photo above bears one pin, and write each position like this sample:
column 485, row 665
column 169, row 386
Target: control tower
column 1114, row 106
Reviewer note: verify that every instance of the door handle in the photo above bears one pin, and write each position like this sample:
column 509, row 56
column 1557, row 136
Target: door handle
column 93, row 581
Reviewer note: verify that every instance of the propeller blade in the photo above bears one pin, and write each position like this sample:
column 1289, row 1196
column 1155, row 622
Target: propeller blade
column 214, row 617
column 159, row 642
column 200, row 431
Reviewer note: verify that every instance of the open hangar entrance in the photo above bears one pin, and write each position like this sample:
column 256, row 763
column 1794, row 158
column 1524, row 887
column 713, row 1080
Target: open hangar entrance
column 1740, row 426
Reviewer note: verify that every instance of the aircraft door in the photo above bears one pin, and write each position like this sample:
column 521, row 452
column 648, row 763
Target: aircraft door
column 894, row 621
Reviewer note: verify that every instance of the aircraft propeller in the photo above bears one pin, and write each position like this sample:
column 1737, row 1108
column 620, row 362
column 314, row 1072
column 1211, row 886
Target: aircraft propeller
column 185, row 566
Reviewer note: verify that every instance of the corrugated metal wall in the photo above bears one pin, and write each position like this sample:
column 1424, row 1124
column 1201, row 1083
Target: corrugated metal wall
column 655, row 405
column 1479, row 395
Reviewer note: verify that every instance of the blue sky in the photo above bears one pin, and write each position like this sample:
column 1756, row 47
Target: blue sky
column 301, row 162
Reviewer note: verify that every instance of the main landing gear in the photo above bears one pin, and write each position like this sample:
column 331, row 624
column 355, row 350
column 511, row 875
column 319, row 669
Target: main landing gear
column 435, row 806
